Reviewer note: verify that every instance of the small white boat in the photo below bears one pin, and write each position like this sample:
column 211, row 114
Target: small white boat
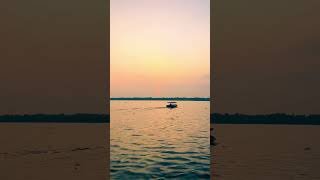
column 172, row 105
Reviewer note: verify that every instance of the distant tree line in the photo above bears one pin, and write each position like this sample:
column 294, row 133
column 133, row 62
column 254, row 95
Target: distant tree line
column 60, row 118
column 278, row 118
column 162, row 98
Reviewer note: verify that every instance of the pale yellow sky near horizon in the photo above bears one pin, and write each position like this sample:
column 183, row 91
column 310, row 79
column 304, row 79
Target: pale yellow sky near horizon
column 160, row 48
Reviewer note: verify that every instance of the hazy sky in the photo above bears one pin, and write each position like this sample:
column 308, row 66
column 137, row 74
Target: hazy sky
column 160, row 48
column 53, row 57
column 266, row 56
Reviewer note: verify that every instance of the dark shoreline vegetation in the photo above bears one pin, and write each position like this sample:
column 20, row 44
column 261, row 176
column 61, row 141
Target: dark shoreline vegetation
column 281, row 119
column 57, row 118
column 160, row 99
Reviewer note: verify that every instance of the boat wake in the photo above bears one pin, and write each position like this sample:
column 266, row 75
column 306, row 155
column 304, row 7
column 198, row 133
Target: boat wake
column 141, row 109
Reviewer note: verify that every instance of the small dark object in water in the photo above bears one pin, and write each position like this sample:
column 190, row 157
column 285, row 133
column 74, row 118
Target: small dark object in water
column 213, row 140
column 80, row 149
column 307, row 148
column 76, row 166
column 172, row 105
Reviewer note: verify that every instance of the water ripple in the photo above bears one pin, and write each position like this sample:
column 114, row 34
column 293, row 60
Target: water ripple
column 152, row 142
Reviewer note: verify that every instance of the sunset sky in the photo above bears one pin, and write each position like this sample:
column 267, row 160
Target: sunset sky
column 266, row 56
column 160, row 48
column 53, row 57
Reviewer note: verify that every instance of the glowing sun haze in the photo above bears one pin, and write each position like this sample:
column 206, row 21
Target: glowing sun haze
column 160, row 48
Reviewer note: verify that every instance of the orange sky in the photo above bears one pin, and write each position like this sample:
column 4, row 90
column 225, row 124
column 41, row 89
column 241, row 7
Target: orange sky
column 160, row 48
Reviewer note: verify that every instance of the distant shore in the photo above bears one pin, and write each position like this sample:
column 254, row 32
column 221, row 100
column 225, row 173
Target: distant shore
column 284, row 119
column 159, row 99
column 57, row 118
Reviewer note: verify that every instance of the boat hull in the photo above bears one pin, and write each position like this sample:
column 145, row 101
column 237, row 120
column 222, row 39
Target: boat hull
column 172, row 106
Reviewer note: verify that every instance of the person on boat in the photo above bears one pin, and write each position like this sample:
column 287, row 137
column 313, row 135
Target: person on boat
column 172, row 105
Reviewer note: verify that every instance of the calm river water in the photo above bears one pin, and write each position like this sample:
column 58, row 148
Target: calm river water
column 149, row 141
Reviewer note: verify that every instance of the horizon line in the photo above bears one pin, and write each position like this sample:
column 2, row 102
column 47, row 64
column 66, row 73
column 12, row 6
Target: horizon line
column 161, row 98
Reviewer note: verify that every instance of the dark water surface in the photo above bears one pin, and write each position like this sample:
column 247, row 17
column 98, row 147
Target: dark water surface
column 266, row 152
column 149, row 141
